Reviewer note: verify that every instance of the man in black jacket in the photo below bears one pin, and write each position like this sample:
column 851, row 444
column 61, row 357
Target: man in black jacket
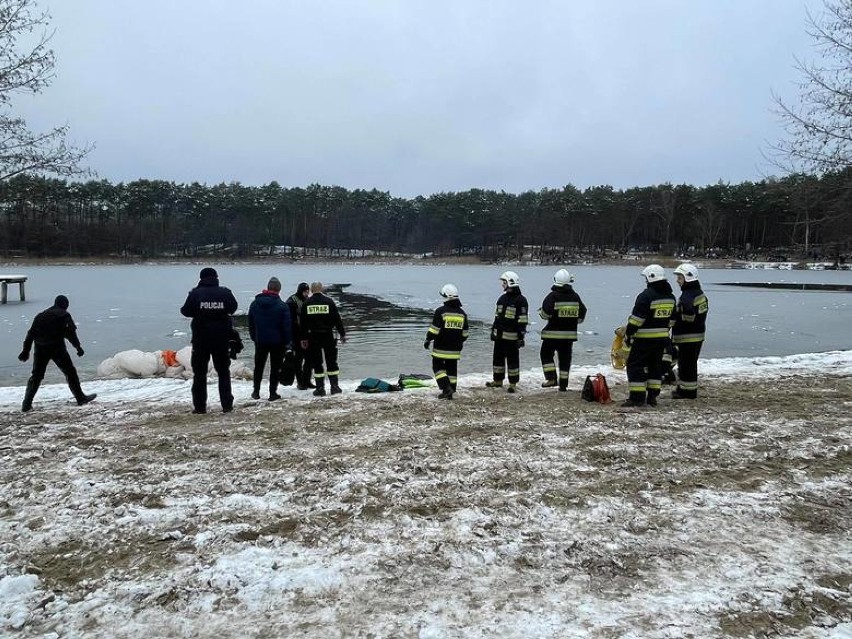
column 210, row 306
column 48, row 332
column 318, row 321
column 271, row 332
column 448, row 332
column 302, row 362
column 690, row 324
column 508, row 331
column 563, row 310
column 646, row 335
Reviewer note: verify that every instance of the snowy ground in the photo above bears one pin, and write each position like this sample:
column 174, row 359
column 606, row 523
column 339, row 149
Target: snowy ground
column 534, row 515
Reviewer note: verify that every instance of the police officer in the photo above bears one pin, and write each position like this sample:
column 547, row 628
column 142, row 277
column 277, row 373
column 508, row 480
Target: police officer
column 319, row 319
column 508, row 331
column 270, row 329
column 302, row 361
column 563, row 309
column 210, row 306
column 646, row 335
column 690, row 322
column 48, row 332
column 447, row 334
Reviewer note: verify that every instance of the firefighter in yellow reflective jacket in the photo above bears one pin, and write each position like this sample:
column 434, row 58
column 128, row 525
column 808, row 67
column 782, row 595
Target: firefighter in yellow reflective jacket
column 646, row 334
column 447, row 335
column 508, row 331
column 563, row 309
column 690, row 321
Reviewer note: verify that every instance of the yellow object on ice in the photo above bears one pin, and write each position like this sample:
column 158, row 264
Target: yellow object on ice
column 618, row 352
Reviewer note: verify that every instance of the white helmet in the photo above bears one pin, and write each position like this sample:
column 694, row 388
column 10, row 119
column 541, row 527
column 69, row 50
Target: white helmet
column 511, row 278
column 653, row 273
column 689, row 272
column 449, row 291
column 563, row 277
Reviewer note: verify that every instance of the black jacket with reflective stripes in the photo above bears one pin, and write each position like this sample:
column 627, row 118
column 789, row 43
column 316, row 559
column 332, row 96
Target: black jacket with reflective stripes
column 320, row 315
column 690, row 317
column 563, row 309
column 652, row 312
column 510, row 316
column 448, row 331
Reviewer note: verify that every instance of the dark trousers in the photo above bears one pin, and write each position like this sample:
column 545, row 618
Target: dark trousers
column 644, row 368
column 275, row 353
column 550, row 348
column 446, row 372
column 506, row 356
column 201, row 354
column 42, row 356
column 323, row 345
column 303, row 365
column 687, row 368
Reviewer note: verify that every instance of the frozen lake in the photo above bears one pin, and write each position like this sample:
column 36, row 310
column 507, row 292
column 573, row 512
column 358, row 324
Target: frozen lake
column 387, row 310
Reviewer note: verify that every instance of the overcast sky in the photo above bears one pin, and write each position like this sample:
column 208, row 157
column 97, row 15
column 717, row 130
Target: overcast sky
column 422, row 96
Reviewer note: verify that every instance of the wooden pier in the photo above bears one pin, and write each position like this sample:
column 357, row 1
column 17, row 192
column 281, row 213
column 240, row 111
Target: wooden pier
column 5, row 280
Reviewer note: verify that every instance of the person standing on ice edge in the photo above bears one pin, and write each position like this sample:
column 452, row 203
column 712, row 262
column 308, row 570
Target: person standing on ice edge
column 690, row 323
column 48, row 332
column 447, row 335
column 563, row 310
column 302, row 361
column 210, row 306
column 646, row 335
column 271, row 332
column 508, row 331
column 319, row 320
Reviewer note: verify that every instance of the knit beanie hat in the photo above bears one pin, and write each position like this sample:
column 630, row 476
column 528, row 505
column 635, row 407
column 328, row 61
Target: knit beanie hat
column 61, row 301
column 303, row 286
column 207, row 272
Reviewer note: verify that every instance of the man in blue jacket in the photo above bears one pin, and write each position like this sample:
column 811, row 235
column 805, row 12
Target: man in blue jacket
column 271, row 331
column 210, row 306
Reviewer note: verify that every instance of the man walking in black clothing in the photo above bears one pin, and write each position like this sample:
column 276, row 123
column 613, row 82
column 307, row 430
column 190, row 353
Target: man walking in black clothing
column 48, row 332
column 302, row 362
column 270, row 330
column 210, row 306
column 318, row 321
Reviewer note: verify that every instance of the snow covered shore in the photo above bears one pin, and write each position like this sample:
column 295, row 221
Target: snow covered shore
column 397, row 515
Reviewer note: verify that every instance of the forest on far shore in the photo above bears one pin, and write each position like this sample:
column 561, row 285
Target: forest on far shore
column 797, row 216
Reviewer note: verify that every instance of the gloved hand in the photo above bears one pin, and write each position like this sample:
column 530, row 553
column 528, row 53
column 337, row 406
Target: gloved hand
column 626, row 344
column 521, row 343
column 24, row 356
column 426, row 344
column 304, row 344
column 80, row 351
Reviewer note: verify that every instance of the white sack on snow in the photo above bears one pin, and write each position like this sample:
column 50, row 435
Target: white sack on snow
column 140, row 364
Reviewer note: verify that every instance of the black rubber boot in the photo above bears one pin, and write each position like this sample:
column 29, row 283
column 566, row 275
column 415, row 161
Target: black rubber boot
column 32, row 389
column 85, row 399
column 334, row 386
column 320, row 390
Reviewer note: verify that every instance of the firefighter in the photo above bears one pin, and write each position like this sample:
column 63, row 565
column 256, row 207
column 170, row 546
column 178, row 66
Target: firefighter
column 563, row 310
column 646, row 334
column 447, row 335
column 508, row 331
column 319, row 320
column 690, row 319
